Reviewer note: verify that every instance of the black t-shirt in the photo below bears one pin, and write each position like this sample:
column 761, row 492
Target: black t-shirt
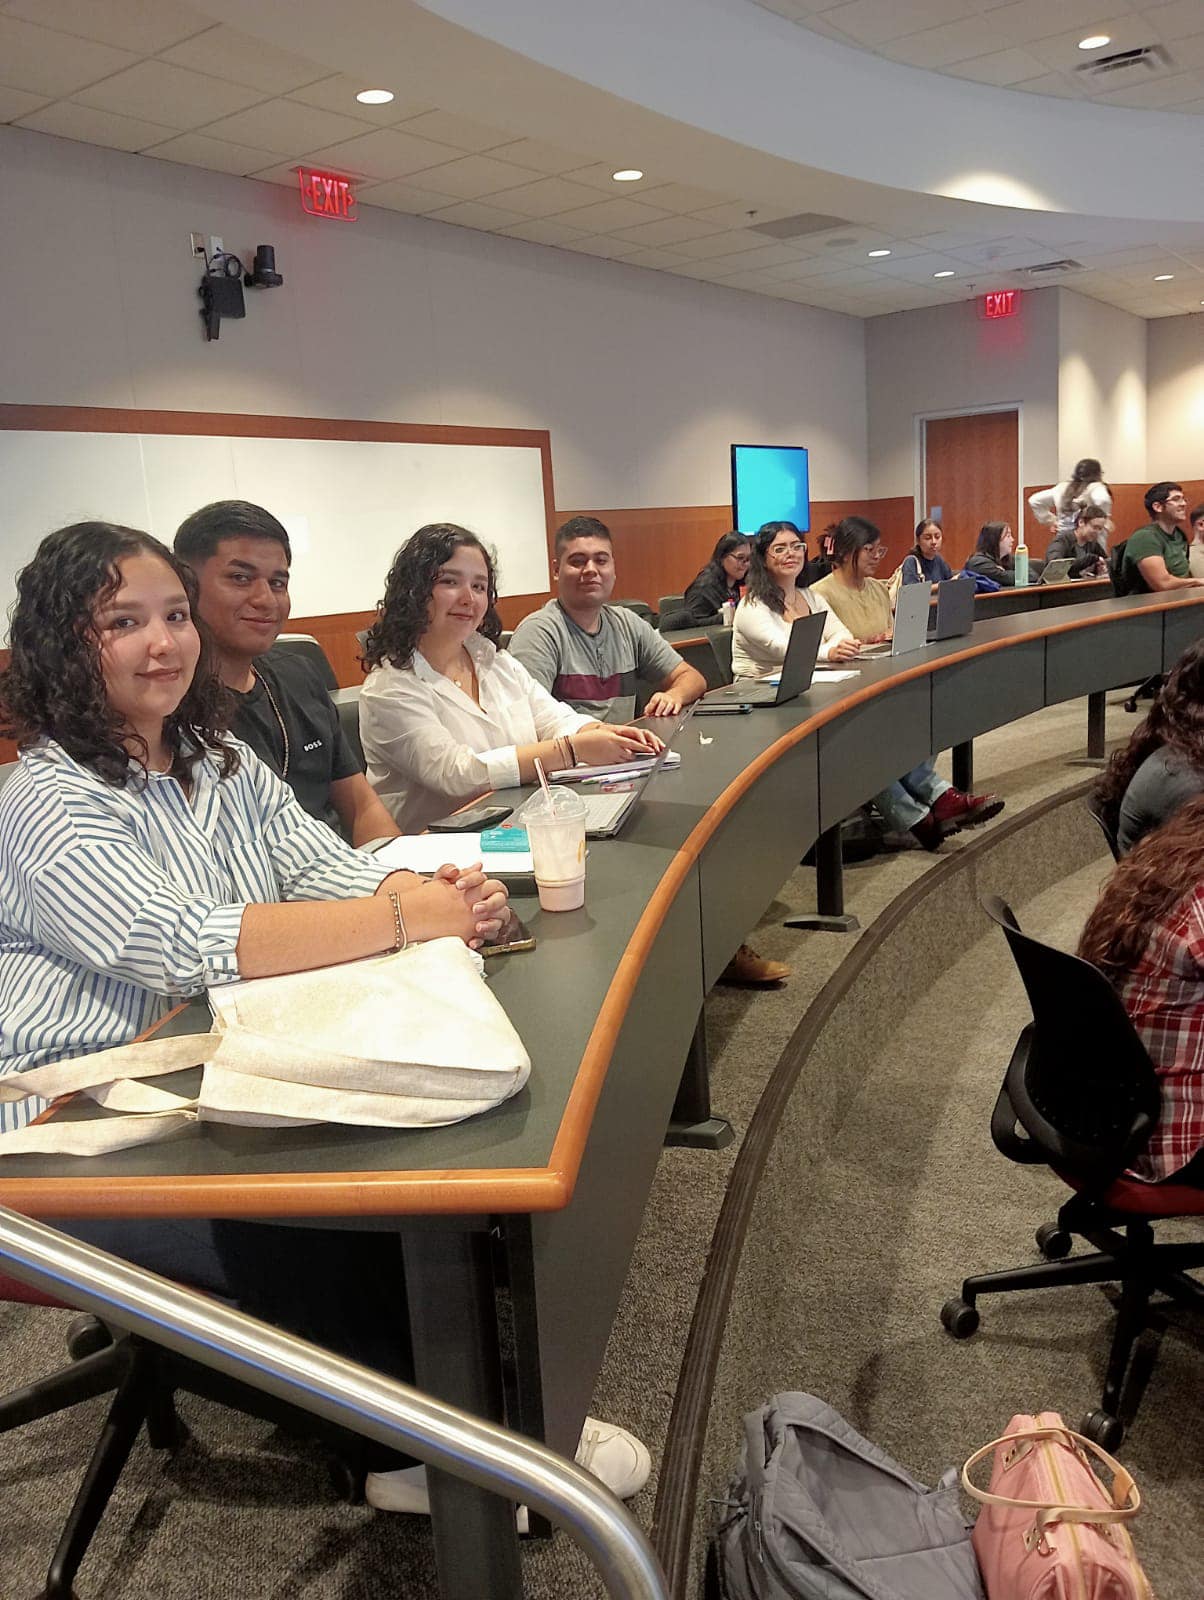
column 318, row 754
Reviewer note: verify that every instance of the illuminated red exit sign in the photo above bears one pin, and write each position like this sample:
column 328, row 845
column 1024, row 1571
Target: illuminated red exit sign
column 1001, row 303
column 325, row 194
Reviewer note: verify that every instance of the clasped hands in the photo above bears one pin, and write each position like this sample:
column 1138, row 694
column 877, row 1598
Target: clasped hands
column 457, row 901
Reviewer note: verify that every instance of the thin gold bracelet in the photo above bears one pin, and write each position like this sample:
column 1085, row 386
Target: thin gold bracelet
column 400, row 938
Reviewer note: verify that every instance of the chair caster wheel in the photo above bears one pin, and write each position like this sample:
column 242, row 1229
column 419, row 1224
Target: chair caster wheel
column 959, row 1318
column 1131, row 704
column 86, row 1336
column 1103, row 1429
column 1053, row 1242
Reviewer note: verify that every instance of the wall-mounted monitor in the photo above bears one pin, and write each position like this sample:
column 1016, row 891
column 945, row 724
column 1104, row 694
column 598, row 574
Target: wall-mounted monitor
column 770, row 483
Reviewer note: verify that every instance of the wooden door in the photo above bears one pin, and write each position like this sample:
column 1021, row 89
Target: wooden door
column 972, row 472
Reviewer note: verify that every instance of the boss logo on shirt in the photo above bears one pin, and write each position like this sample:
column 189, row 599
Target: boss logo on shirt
column 314, row 744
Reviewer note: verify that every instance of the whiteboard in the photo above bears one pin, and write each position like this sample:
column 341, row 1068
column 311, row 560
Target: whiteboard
column 348, row 504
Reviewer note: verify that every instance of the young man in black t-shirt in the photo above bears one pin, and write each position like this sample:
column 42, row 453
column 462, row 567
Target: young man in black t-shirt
column 241, row 556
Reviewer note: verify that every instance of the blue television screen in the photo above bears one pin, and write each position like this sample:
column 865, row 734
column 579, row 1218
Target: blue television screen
column 770, row 483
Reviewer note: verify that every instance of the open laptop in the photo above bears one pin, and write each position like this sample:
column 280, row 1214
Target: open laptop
column 911, row 622
column 798, row 665
column 1057, row 571
column 607, row 810
column 954, row 609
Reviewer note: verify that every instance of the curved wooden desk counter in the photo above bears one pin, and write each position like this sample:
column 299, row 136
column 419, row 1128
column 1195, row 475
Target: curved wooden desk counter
column 607, row 1009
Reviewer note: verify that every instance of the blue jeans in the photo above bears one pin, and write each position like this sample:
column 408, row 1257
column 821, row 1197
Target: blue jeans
column 910, row 798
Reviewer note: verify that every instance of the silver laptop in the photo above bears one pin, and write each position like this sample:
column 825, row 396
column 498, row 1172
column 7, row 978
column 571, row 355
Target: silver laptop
column 798, row 667
column 911, row 622
column 607, row 811
column 1057, row 571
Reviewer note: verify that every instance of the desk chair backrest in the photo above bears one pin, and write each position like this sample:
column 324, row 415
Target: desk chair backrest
column 1080, row 1083
column 668, row 605
column 1103, row 821
column 700, row 654
column 7, row 769
column 306, row 645
column 347, row 704
column 721, row 643
column 640, row 607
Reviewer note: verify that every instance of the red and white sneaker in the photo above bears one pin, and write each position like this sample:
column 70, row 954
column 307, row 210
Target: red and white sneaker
column 955, row 810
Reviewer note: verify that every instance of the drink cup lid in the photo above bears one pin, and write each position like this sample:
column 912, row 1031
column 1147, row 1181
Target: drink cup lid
column 566, row 806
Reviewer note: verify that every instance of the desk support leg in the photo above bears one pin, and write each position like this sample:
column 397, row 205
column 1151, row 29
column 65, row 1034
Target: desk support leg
column 1097, row 706
column 691, row 1123
column 830, row 915
column 453, row 1321
column 963, row 767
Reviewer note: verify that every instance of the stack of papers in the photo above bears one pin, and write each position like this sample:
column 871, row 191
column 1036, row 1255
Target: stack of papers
column 619, row 769
column 503, row 851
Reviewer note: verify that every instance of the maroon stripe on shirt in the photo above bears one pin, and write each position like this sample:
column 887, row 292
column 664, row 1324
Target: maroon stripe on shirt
column 588, row 686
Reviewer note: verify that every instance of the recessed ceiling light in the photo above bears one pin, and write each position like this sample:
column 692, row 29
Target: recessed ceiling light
column 877, row 252
column 374, row 97
column 627, row 175
column 1163, row 277
column 948, row 273
column 1095, row 41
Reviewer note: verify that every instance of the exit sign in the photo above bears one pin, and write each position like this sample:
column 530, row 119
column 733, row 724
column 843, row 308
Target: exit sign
column 1001, row 303
column 325, row 194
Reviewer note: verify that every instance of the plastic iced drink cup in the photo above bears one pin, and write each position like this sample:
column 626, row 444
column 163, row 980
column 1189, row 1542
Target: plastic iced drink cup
column 557, row 838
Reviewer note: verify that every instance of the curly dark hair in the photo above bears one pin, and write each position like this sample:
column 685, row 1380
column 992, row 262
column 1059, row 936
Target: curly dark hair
column 760, row 584
column 1176, row 720
column 403, row 615
column 53, row 685
column 1159, row 872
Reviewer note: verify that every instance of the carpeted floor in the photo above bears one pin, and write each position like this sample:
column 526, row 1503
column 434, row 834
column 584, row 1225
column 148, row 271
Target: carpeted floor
column 891, row 1228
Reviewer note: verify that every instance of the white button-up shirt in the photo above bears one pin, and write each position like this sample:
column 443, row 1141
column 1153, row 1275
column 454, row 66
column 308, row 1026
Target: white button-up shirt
column 760, row 636
column 430, row 747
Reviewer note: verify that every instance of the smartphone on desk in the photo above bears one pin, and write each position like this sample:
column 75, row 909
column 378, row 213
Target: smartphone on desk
column 474, row 820
column 515, row 936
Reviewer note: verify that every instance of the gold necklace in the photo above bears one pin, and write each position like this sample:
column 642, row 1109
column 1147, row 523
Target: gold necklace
column 283, row 730
column 465, row 687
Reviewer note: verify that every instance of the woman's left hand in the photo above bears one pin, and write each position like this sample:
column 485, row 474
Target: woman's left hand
column 490, row 900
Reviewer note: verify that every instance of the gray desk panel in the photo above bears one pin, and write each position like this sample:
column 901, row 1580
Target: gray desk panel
column 1181, row 626
column 581, row 1254
column 755, row 850
column 971, row 697
column 1089, row 659
column 870, row 745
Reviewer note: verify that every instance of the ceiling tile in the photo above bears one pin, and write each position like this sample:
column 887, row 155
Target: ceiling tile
column 547, row 196
column 953, row 41
column 383, row 153
column 540, row 156
column 1188, row 53
column 659, row 259
column 1061, row 50
column 1060, row 84
column 459, row 132
column 1174, row 21
column 669, row 231
column 610, row 215
column 740, row 213
column 471, row 177
column 725, row 243
column 171, row 95
column 1024, row 20
column 1002, row 68
column 226, row 53
column 196, row 150
column 46, row 63
column 476, row 214
column 1154, row 95
column 705, row 271
column 143, row 26
column 85, row 123
column 338, row 92
column 870, row 22
column 285, row 126
column 402, row 196
column 798, row 271
column 282, row 173
column 765, row 255
column 611, row 249
column 600, row 175
column 16, row 103
column 541, row 230
column 681, row 197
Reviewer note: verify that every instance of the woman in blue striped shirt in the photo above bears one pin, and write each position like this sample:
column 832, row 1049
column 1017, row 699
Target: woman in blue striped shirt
column 145, row 855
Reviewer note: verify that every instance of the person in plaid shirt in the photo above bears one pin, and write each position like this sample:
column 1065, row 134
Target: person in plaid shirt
column 1147, row 935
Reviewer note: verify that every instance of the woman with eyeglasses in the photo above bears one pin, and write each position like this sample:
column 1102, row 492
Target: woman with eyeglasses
column 718, row 584
column 774, row 600
column 920, row 802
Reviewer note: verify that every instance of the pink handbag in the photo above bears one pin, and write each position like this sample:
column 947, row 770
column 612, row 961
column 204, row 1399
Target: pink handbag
column 1049, row 1529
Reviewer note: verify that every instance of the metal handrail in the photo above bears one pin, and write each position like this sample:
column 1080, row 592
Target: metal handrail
column 355, row 1397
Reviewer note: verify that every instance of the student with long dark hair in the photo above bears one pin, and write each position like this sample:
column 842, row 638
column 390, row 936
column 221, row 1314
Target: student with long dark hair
column 773, row 600
column 718, row 584
column 1162, row 766
column 1058, row 507
column 446, row 716
column 1147, row 935
column 924, row 562
column 992, row 556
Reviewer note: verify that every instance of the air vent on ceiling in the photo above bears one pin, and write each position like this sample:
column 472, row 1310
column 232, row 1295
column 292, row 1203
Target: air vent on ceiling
column 1049, row 269
column 798, row 227
column 1142, row 62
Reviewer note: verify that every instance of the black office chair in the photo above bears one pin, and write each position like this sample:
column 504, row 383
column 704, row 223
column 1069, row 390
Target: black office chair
column 640, row 607
column 1081, row 1096
column 1104, row 822
column 347, row 704
column 667, row 609
column 721, row 643
column 306, row 645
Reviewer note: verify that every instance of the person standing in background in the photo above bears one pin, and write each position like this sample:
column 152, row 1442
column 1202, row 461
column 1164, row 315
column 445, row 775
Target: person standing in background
column 1058, row 507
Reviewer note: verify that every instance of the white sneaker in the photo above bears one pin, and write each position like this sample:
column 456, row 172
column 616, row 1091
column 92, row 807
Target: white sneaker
column 614, row 1456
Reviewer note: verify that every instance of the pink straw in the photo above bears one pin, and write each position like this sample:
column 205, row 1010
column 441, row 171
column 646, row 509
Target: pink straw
column 543, row 781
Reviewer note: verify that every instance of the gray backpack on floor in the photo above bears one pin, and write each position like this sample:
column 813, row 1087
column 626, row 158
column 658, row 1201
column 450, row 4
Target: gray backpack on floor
column 819, row 1513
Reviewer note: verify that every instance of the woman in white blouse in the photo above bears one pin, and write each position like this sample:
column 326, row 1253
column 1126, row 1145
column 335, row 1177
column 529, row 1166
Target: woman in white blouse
column 1058, row 507
column 772, row 602
column 444, row 715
